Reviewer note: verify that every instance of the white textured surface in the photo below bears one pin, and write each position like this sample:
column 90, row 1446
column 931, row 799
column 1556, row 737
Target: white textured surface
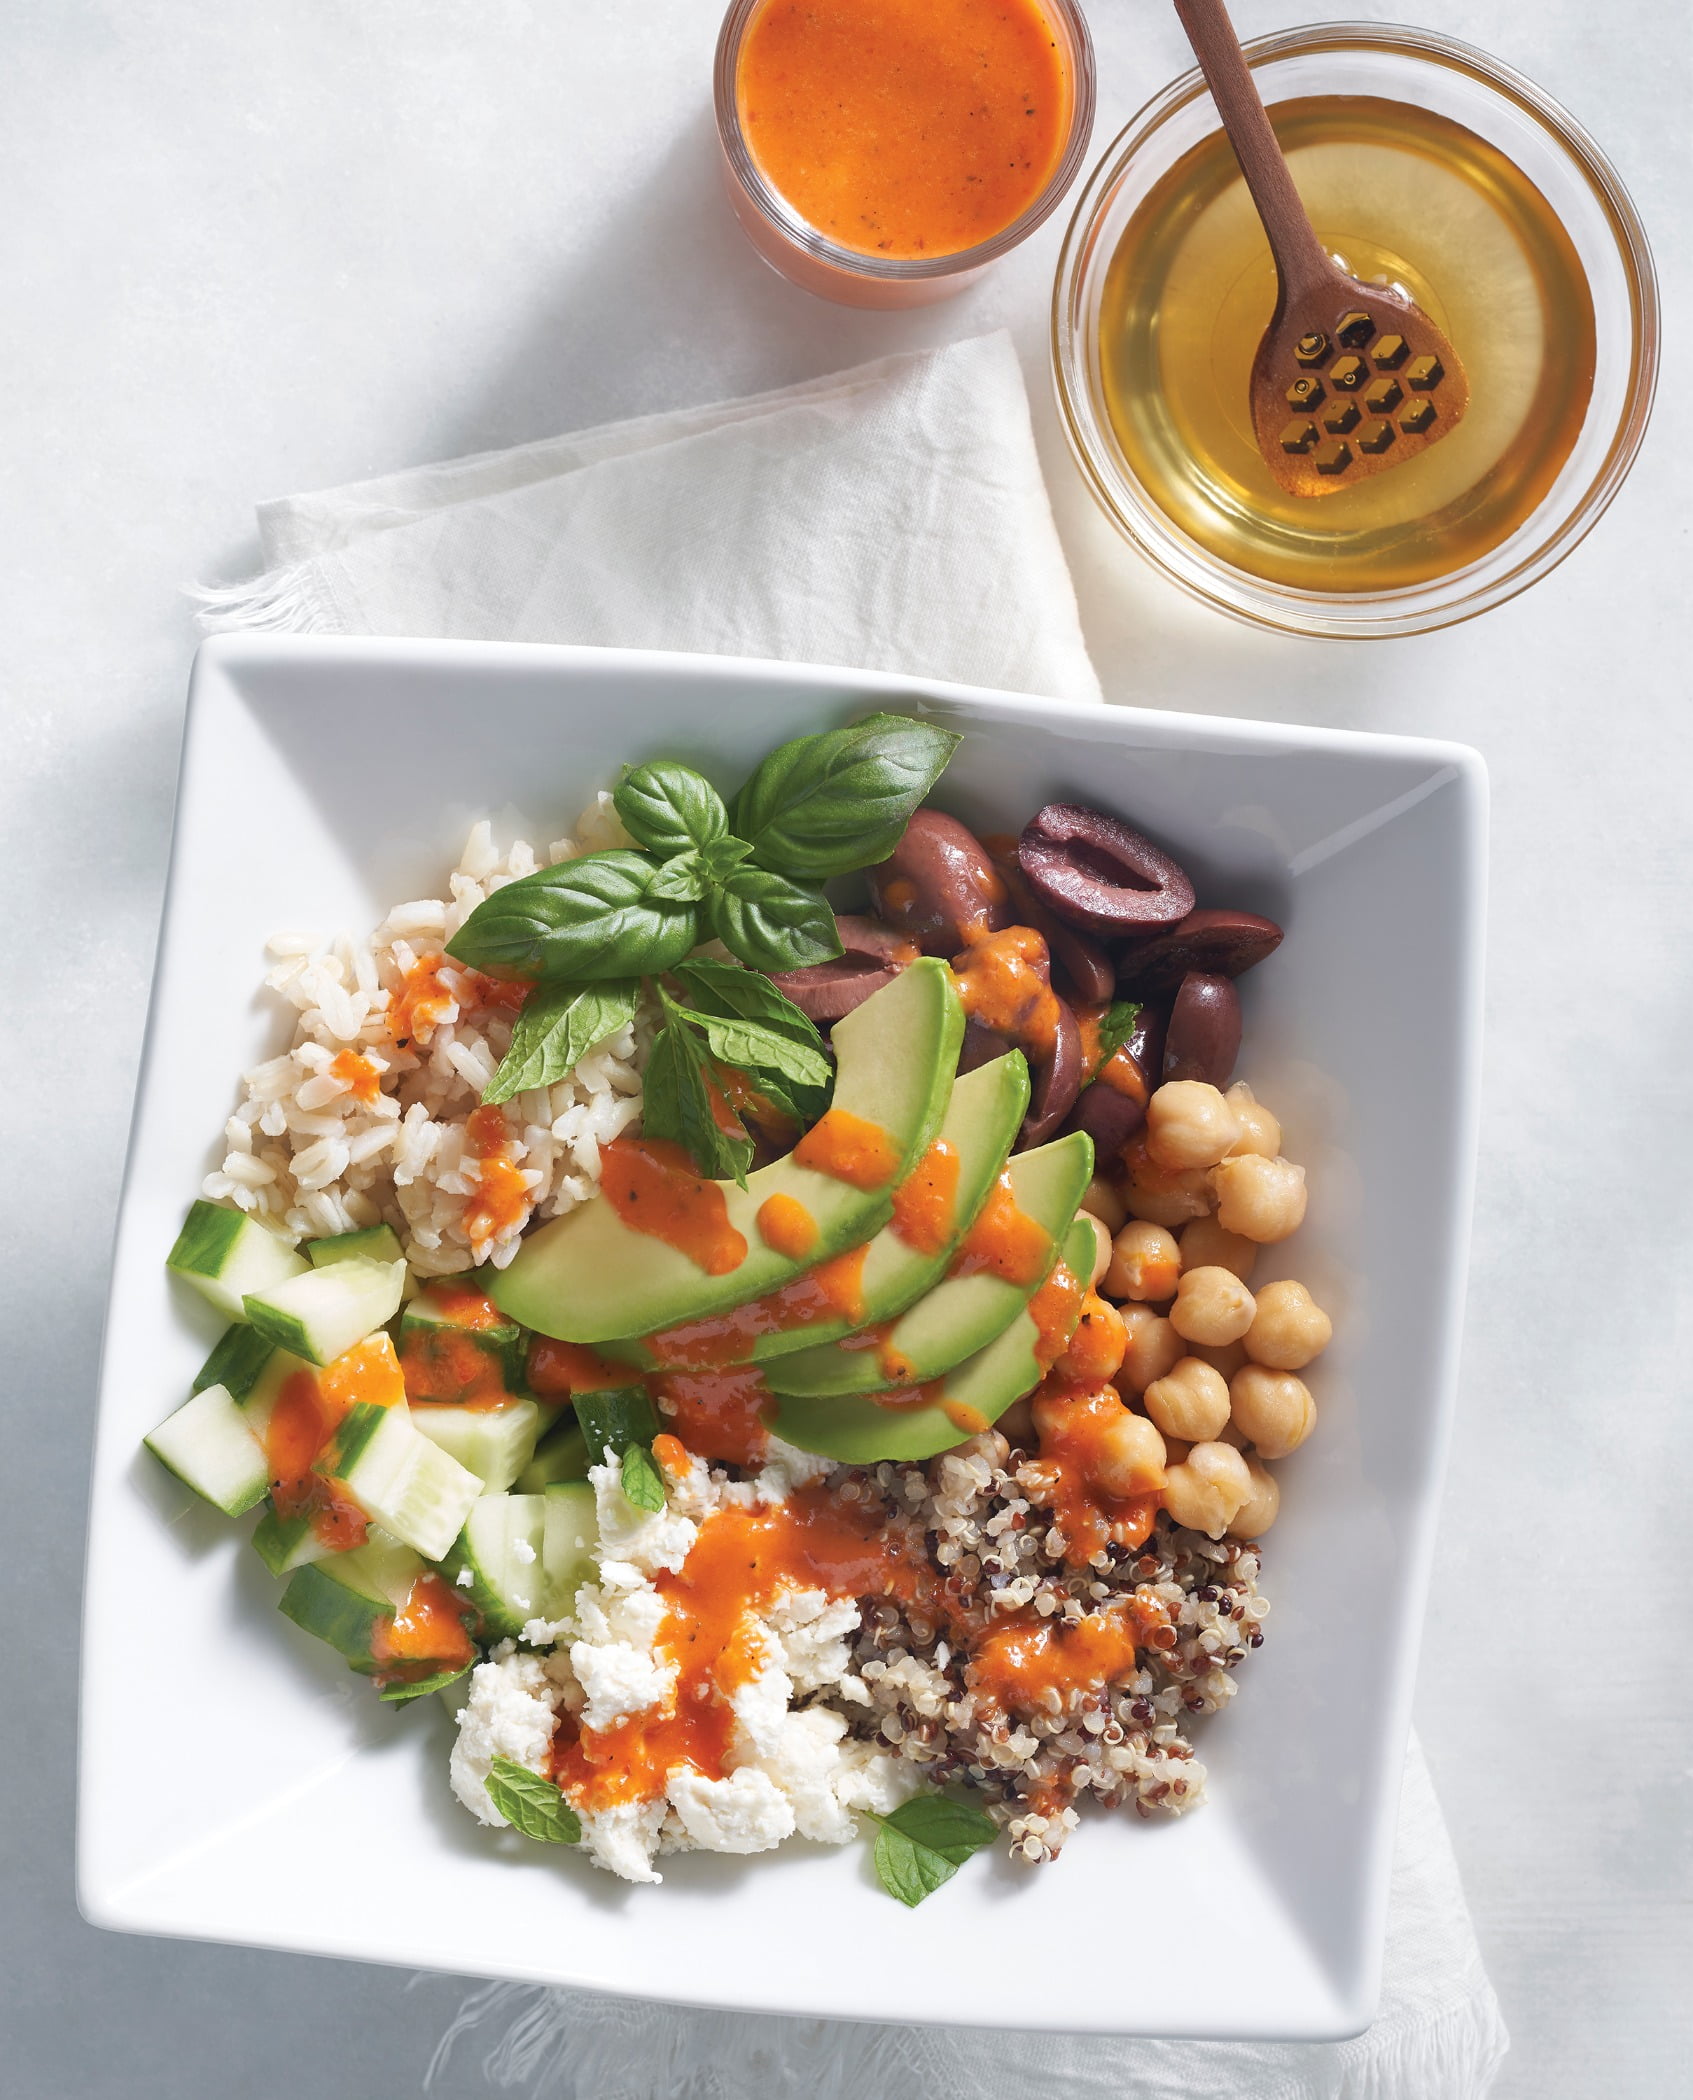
column 260, row 249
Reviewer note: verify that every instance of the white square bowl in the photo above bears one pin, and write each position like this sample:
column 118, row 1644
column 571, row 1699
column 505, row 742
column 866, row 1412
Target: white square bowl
column 238, row 1784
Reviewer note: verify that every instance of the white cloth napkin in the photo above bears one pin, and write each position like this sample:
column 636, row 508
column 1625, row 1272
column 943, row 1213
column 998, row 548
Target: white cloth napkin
column 891, row 517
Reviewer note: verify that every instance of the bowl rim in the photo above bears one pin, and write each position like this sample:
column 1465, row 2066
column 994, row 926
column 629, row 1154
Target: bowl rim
column 1352, row 615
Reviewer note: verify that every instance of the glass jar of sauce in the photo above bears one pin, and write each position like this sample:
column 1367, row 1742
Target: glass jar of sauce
column 884, row 152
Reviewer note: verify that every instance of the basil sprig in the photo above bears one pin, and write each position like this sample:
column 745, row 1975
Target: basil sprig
column 532, row 1804
column 924, row 1842
column 669, row 808
column 680, row 1101
column 580, row 923
column 824, row 805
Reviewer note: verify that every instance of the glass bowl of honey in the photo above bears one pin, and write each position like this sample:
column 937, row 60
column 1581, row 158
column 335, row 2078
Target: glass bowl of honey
column 1426, row 165
column 884, row 152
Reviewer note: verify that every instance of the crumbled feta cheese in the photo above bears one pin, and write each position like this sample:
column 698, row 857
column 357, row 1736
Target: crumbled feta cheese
column 744, row 1812
column 510, row 1713
column 623, row 1839
column 645, row 1540
column 619, row 1679
column 522, row 1550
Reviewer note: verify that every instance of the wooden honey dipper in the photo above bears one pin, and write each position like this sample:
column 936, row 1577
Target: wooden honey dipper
column 1350, row 378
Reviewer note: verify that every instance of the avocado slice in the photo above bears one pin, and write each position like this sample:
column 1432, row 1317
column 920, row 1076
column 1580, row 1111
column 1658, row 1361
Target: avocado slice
column 964, row 1313
column 851, row 1427
column 980, row 1124
column 590, row 1278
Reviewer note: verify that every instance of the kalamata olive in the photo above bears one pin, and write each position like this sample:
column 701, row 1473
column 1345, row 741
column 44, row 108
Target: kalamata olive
column 1220, row 943
column 1111, row 1111
column 872, row 956
column 1092, row 870
column 981, row 1046
column 939, row 886
column 1203, row 1038
column 1057, row 1082
column 1084, row 967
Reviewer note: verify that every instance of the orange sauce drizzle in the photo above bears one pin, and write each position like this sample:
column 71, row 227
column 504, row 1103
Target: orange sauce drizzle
column 1055, row 1309
column 895, row 1368
column 740, row 1563
column 1065, row 1477
column 967, row 1420
column 1119, row 1071
column 1001, row 986
column 502, row 1199
column 652, row 1186
column 926, row 1201
column 309, row 1409
column 448, row 1364
column 363, row 1080
column 834, row 1290
column 427, row 1628
column 1018, row 1662
column 850, row 1149
column 557, row 1369
column 905, row 1399
column 786, row 1226
column 425, row 999
column 718, row 1414
column 1004, row 1239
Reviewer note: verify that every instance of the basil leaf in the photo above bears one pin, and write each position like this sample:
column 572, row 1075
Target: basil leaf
column 643, row 1484
column 729, row 989
column 420, row 1687
column 558, row 1026
column 586, row 920
column 754, row 1047
column 1116, row 1025
column 532, row 1804
column 678, row 1104
column 718, row 856
column 770, row 922
column 823, row 805
column 924, row 1842
column 669, row 807
column 682, row 879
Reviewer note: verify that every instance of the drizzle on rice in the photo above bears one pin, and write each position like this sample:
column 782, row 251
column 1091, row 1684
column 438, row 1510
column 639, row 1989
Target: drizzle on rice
column 374, row 1115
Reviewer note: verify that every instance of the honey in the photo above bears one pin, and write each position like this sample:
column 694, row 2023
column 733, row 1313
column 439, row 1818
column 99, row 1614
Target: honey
column 1403, row 196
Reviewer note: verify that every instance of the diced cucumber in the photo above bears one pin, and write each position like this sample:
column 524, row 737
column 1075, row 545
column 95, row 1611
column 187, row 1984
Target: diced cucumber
column 455, row 1347
column 227, row 1256
column 342, row 1600
column 616, row 1418
column 497, row 1562
column 374, row 1243
column 322, row 1313
column 562, row 1454
column 494, row 1443
column 235, row 1363
column 210, row 1446
column 455, row 1693
column 568, row 1538
column 442, row 1681
column 400, row 1480
column 287, row 1543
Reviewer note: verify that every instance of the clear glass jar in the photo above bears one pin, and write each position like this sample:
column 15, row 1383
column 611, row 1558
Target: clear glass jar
column 804, row 256
column 1586, row 198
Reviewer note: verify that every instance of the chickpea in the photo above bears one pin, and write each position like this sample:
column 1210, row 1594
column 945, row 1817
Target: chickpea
column 1184, row 1196
column 1205, row 1245
column 1189, row 1124
column 1190, row 1401
column 1096, row 1348
column 1152, row 1347
column 1264, row 1199
column 1259, row 1130
column 1288, row 1329
column 1228, row 1359
column 1128, row 1456
column 1101, row 1248
column 1049, row 1409
column 1101, row 1200
column 1258, row 1512
column 1273, row 1409
column 1145, row 1263
column 1206, row 1490
column 1212, row 1306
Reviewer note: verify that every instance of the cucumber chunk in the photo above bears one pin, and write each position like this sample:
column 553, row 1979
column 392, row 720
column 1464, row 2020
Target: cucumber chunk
column 402, row 1481
column 227, row 1256
column 374, row 1243
column 344, row 1599
column 210, row 1446
column 614, row 1419
column 522, row 1557
column 494, row 1443
column 287, row 1543
column 562, row 1454
column 235, row 1363
column 455, row 1346
column 568, row 1538
column 322, row 1313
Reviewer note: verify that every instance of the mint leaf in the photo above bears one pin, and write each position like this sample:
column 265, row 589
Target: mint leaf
column 558, row 1026
column 643, row 1483
column 532, row 1804
column 669, row 807
column 584, row 921
column 420, row 1687
column 733, row 991
column 824, row 805
column 752, row 1046
column 924, row 1842
column 678, row 1102
column 770, row 922
column 1116, row 1025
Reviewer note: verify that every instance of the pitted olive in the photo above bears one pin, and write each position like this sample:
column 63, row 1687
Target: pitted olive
column 1203, row 1039
column 1094, row 871
column 1057, row 1082
column 939, row 886
column 1219, row 943
column 872, row 956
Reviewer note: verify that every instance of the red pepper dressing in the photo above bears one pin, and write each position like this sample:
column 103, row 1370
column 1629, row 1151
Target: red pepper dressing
column 834, row 1290
column 308, row 1410
column 502, row 1200
column 1065, row 1476
column 361, row 1077
column 558, row 1370
column 1004, row 1240
column 848, row 1148
column 426, row 1634
column 926, row 1201
column 787, row 1227
column 1001, row 985
column 652, row 1186
column 716, row 1414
